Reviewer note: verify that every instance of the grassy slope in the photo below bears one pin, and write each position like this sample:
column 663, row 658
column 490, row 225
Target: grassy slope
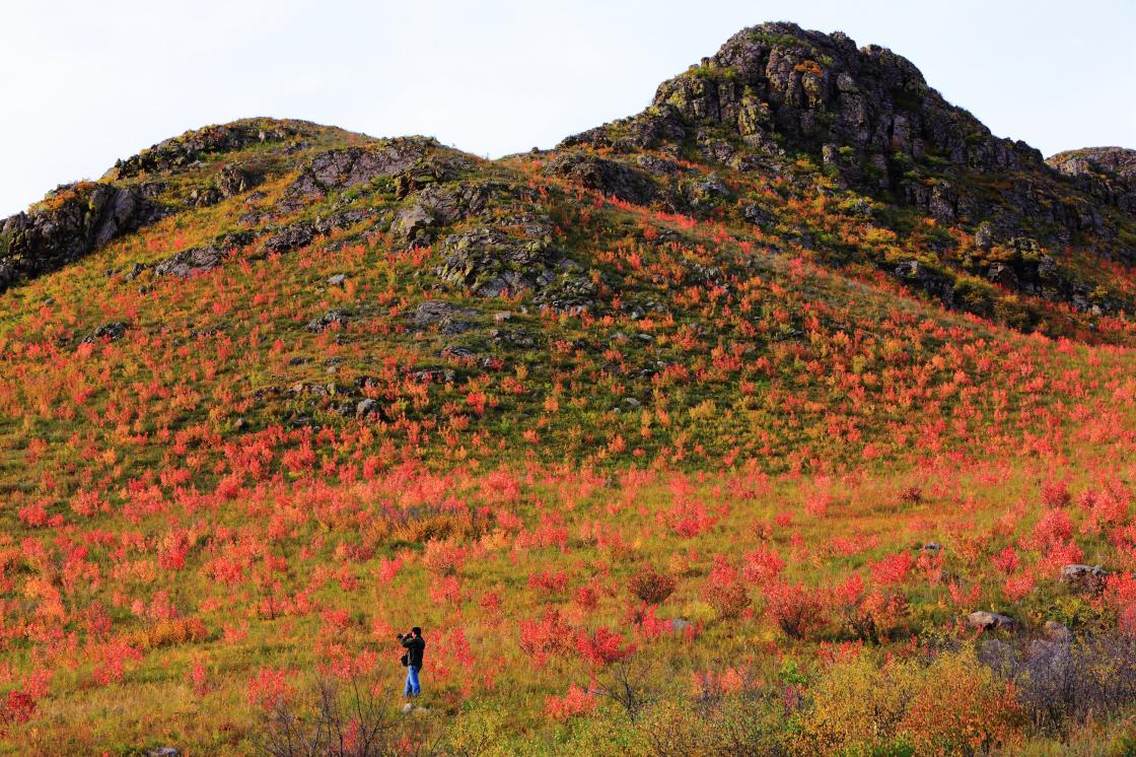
column 165, row 513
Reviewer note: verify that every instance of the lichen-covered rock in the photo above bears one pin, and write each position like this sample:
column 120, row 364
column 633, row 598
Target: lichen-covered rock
column 984, row 236
column 514, row 338
column 325, row 321
column 1089, row 578
column 612, row 178
column 990, row 621
column 706, row 192
column 415, row 224
column 353, row 166
column 1107, row 173
column 449, row 318
column 234, row 180
column 182, row 151
column 656, row 127
column 758, row 216
column 291, row 237
column 571, row 291
column 108, row 332
column 817, row 88
column 922, row 277
column 658, row 166
column 490, row 262
column 301, row 233
column 425, row 212
column 189, row 263
column 1058, row 632
column 69, row 223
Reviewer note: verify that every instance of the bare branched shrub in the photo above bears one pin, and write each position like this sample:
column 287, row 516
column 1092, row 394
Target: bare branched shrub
column 335, row 719
column 1061, row 683
column 626, row 682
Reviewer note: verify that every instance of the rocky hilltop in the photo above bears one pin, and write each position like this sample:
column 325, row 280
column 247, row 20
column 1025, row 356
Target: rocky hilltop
column 1107, row 173
column 779, row 116
column 866, row 114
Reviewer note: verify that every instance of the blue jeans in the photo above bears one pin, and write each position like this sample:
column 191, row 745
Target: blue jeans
column 412, row 688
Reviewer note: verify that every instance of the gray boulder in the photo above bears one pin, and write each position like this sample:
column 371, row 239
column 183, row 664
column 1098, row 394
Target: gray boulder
column 190, row 263
column 1089, row 578
column 989, row 621
column 325, row 321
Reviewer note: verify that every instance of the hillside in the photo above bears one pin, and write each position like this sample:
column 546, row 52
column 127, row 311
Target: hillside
column 273, row 390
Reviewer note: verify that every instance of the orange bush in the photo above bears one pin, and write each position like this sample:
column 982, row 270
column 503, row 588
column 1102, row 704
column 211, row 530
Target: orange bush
column 961, row 708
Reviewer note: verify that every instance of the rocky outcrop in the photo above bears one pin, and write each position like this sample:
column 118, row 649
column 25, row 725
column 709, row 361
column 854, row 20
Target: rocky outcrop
column 68, row 224
column 868, row 117
column 817, row 89
column 420, row 160
column 290, row 238
column 190, row 263
column 927, row 279
column 1112, row 162
column 1107, row 173
column 490, row 262
column 425, row 212
column 183, row 151
column 612, row 178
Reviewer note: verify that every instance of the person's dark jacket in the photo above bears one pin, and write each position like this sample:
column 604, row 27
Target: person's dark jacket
column 415, row 647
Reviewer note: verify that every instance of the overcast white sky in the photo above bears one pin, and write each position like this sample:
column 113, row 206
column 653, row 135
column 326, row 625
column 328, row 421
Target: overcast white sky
column 85, row 82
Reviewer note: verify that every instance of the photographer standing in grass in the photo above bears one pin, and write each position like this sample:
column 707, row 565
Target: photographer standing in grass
column 415, row 647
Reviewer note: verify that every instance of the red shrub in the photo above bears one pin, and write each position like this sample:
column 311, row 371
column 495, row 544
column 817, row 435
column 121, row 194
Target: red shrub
column 547, row 581
column 1053, row 527
column 1055, row 493
column 725, row 593
column 1006, row 560
column 112, row 659
column 587, row 597
column 17, row 707
column 651, row 586
column 892, row 569
column 602, row 647
column 446, row 590
column 689, row 519
column 1018, row 587
column 796, row 609
column 546, row 636
column 762, row 565
column 443, row 557
column 575, row 702
column 269, row 688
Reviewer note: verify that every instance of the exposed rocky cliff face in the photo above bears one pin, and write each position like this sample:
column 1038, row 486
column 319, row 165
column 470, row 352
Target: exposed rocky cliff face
column 1107, row 173
column 71, row 222
column 867, row 116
